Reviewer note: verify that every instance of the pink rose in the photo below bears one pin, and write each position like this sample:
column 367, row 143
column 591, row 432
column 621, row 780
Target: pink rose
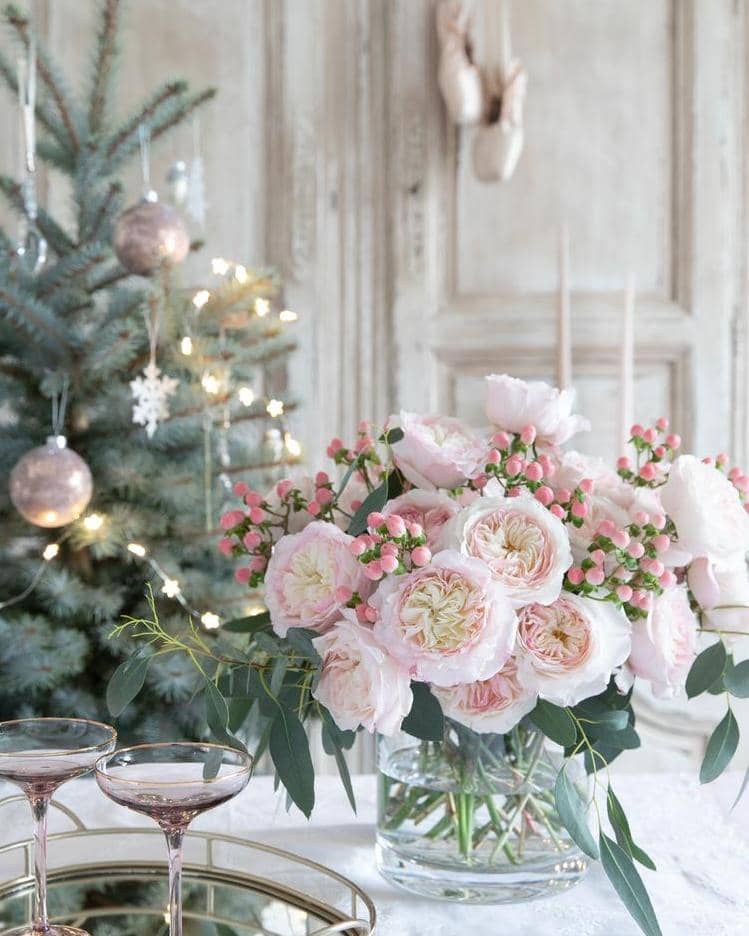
column 304, row 575
column 665, row 646
column 490, row 705
column 569, row 650
column 513, row 404
column 360, row 684
column 525, row 546
column 437, row 451
column 298, row 520
column 431, row 509
column 722, row 590
column 449, row 622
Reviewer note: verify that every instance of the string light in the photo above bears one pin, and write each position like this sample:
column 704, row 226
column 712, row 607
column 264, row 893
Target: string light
column 210, row 621
column 219, row 266
column 93, row 522
column 170, row 588
column 246, row 396
column 293, row 446
column 50, row 551
column 210, row 383
column 254, row 610
column 286, row 315
column 136, row 549
column 240, row 273
column 274, row 408
column 201, row 297
column 185, row 345
column 262, row 307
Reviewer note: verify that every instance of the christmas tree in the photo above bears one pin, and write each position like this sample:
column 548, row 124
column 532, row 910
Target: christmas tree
column 166, row 395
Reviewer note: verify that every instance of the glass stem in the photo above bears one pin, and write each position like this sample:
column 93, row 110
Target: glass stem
column 174, row 839
column 39, row 806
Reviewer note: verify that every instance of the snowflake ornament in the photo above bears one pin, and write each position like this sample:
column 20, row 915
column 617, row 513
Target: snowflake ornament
column 151, row 393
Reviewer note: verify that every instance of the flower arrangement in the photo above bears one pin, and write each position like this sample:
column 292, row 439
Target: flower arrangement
column 460, row 584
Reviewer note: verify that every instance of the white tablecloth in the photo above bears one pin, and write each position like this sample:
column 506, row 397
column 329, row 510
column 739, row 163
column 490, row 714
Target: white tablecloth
column 701, row 887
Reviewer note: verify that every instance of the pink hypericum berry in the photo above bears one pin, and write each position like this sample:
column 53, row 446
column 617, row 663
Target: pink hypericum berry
column 253, row 499
column 623, row 592
column 595, row 576
column 362, row 444
column 563, row 495
column 648, row 472
column 742, row 484
column 494, row 457
column 370, row 614
column 225, row 546
column 389, row 563
column 501, row 440
column 643, row 600
column 558, row 511
column 606, row 528
column 649, row 436
column 661, row 424
column 252, row 539
column 373, row 570
column 258, row 564
column 660, row 451
column 321, row 479
column 661, row 542
column 658, row 521
column 514, row 492
column 421, row 556
column 620, row 538
column 624, row 463
column 734, row 473
column 242, row 575
column 231, row 519
column 636, row 431
column 587, row 485
column 622, row 573
column 396, row 525
column 323, row 496
column 641, row 518
column 335, row 445
column 673, row 441
column 363, row 427
column 707, row 460
column 528, row 435
column 636, row 550
column 355, row 505
column 579, row 509
column 375, row 520
column 480, row 481
column 389, row 549
column 415, row 530
column 548, row 466
column 656, row 568
column 257, row 514
column 667, row 580
column 576, row 575
column 598, row 556
column 361, row 613
column 314, row 508
column 283, row 488
column 514, row 465
column 545, row 495
column 534, row 471
column 240, row 489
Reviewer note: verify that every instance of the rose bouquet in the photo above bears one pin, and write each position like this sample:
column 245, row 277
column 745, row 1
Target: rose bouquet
column 484, row 601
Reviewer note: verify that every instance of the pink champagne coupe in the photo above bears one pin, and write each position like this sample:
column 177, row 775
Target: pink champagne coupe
column 38, row 755
column 173, row 783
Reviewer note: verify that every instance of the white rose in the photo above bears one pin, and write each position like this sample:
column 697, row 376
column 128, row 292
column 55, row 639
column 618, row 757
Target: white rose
column 513, row 404
column 360, row 684
column 569, row 650
column 706, row 509
column 665, row 645
column 524, row 545
column 722, row 590
column 490, row 705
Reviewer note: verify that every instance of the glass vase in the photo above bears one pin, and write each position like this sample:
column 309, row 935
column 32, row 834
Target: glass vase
column 472, row 818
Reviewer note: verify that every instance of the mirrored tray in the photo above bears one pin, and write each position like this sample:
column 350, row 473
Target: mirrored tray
column 113, row 882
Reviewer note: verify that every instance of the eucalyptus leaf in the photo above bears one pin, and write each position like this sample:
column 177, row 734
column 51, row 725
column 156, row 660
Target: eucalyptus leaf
column 742, row 789
column 300, row 638
column 373, row 502
column 217, row 716
column 332, row 748
column 720, row 748
column 736, row 679
column 555, row 722
column 706, row 669
column 621, row 871
column 289, row 749
column 127, row 681
column 620, row 825
column 248, row 625
column 573, row 812
column 425, row 721
column 392, row 435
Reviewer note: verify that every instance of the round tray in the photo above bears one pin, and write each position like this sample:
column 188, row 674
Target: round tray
column 113, row 882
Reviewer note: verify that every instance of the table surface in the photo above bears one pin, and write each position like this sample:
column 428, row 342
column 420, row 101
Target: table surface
column 701, row 887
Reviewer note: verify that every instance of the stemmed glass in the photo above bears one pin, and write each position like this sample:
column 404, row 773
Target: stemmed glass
column 172, row 783
column 38, row 755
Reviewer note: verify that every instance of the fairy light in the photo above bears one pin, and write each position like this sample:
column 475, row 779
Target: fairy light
column 185, row 345
column 136, row 549
column 50, row 551
column 286, row 315
column 93, row 522
column 254, row 610
column 275, row 408
column 240, row 273
column 219, row 266
column 201, row 297
column 211, row 383
column 262, row 307
column 246, row 396
column 170, row 587
column 293, row 446
column 210, row 621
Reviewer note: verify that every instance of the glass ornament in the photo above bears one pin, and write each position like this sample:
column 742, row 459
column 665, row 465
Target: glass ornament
column 51, row 485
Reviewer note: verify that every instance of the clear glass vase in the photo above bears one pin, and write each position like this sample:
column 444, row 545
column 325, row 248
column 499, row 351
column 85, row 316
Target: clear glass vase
column 472, row 818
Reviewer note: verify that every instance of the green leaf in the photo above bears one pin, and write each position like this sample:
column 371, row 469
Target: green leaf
column 248, row 625
column 425, row 720
column 335, row 736
column 622, row 873
column 374, row 501
column 736, row 680
column 127, row 681
column 620, row 825
column 300, row 638
column 573, row 812
column 742, row 789
column 720, row 748
column 217, row 716
column 289, row 749
column 331, row 745
column 392, row 435
column 706, row 669
column 602, row 722
column 555, row 722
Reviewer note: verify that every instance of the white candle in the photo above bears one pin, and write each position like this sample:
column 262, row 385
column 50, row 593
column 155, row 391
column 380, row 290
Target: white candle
column 627, row 373
column 564, row 340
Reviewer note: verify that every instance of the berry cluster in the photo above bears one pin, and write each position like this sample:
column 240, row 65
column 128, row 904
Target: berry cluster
column 735, row 475
column 655, row 447
column 391, row 546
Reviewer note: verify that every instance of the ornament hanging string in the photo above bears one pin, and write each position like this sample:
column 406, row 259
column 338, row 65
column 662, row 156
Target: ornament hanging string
column 144, row 138
column 59, row 406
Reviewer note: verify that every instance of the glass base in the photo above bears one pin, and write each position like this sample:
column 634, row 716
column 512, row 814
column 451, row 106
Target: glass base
column 545, row 876
column 52, row 930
